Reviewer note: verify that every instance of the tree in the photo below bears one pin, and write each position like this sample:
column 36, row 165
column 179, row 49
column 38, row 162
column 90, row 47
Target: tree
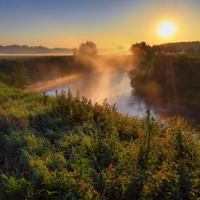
column 20, row 75
column 86, row 49
column 169, row 48
column 190, row 50
column 143, row 50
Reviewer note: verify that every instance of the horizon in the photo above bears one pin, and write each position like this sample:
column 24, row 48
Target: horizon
column 24, row 50
column 103, row 48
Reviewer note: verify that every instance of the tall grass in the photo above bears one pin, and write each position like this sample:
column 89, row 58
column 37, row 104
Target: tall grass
column 66, row 147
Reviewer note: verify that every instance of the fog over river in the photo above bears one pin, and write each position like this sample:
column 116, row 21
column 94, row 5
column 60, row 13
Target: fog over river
column 116, row 88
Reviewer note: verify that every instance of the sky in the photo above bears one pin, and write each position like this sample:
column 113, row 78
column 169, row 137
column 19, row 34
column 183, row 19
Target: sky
column 108, row 23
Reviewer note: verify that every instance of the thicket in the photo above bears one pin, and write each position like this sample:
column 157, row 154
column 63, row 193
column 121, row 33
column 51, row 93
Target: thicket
column 176, row 77
column 66, row 147
column 14, row 73
column 52, row 67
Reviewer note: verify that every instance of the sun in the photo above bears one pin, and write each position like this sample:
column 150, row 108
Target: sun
column 166, row 29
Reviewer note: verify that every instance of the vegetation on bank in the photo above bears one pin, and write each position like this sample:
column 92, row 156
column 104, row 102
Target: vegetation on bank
column 52, row 67
column 14, row 73
column 65, row 147
column 184, row 47
column 166, row 76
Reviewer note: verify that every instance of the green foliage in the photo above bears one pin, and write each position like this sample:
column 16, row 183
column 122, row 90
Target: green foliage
column 20, row 75
column 173, row 77
column 65, row 147
column 5, row 78
column 14, row 73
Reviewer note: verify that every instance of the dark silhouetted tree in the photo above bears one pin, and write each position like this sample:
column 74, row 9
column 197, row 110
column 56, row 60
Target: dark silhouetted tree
column 142, row 51
column 169, row 48
column 86, row 49
column 190, row 50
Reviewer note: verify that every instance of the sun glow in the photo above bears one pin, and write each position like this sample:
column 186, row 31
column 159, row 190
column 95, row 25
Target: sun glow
column 166, row 29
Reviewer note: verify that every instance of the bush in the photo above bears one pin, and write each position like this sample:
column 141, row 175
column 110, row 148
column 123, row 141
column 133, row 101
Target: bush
column 70, row 148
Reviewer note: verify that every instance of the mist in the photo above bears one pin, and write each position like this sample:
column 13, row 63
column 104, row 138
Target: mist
column 96, row 78
column 99, row 78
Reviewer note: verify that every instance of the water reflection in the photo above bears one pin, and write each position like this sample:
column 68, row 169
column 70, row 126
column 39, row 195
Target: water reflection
column 116, row 88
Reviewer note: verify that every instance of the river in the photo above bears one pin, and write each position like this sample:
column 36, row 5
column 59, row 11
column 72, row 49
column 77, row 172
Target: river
column 116, row 88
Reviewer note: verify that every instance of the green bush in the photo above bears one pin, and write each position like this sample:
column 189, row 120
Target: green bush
column 69, row 148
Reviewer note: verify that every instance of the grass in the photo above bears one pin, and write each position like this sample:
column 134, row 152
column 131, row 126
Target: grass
column 66, row 147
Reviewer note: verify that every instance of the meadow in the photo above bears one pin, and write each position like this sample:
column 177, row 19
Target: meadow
column 67, row 147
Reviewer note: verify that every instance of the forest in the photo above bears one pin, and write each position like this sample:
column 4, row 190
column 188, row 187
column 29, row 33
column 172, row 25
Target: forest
column 162, row 76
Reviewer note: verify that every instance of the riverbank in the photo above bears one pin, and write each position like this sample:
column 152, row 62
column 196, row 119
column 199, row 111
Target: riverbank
column 105, row 77
column 174, row 77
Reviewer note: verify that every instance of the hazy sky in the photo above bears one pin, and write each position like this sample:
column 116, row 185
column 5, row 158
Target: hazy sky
column 108, row 23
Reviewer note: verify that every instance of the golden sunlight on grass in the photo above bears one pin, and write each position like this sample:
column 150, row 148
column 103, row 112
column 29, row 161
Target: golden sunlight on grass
column 166, row 29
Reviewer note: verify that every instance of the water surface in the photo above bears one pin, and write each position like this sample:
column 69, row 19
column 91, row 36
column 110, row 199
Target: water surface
column 116, row 88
